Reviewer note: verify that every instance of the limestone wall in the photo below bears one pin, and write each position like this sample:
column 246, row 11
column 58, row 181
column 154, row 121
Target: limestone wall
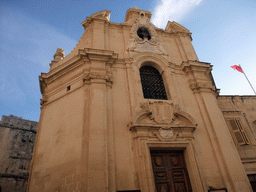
column 17, row 137
column 243, row 108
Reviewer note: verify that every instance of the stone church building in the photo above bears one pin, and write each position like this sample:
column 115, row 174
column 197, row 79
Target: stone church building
column 132, row 108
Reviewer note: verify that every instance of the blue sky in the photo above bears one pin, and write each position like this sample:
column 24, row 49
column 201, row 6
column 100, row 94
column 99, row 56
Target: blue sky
column 223, row 32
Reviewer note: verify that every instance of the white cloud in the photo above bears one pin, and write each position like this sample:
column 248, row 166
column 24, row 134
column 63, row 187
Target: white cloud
column 172, row 10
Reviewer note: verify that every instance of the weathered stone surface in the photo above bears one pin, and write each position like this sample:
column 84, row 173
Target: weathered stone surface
column 17, row 138
column 242, row 108
column 97, row 131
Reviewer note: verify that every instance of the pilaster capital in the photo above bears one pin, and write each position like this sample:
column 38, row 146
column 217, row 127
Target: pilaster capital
column 200, row 77
column 98, row 76
column 195, row 66
column 42, row 82
column 98, row 55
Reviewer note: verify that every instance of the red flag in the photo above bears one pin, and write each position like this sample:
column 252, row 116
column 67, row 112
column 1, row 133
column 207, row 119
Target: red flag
column 238, row 68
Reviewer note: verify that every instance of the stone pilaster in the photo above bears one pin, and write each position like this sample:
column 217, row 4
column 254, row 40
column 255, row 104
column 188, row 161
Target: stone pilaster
column 97, row 81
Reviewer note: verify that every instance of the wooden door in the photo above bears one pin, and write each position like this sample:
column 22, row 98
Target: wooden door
column 170, row 171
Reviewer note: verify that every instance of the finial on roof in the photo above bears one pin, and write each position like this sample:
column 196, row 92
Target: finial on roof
column 135, row 7
column 59, row 55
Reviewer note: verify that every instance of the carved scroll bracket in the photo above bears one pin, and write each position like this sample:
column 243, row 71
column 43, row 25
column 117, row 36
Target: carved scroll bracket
column 162, row 120
column 99, row 77
column 200, row 77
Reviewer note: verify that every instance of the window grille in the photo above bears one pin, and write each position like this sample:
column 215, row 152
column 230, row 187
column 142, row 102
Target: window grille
column 238, row 131
column 152, row 83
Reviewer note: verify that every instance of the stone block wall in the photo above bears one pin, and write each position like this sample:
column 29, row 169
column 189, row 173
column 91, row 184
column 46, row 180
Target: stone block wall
column 244, row 109
column 17, row 138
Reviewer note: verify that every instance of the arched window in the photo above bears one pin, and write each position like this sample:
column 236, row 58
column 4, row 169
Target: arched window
column 152, row 83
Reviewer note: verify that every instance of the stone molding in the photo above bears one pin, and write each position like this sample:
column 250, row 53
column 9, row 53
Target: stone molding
column 200, row 77
column 134, row 13
column 101, row 15
column 106, row 57
column 176, row 28
column 155, row 116
column 106, row 77
column 157, row 61
column 167, row 113
column 177, row 133
column 145, row 45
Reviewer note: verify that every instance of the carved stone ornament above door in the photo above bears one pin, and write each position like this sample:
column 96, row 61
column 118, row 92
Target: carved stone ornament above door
column 164, row 120
column 166, row 133
column 158, row 112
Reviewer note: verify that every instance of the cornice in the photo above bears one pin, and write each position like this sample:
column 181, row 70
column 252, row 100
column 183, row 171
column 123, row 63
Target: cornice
column 195, row 65
column 199, row 74
column 84, row 55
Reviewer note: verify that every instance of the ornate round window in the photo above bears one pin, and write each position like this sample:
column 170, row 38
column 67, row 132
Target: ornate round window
column 143, row 33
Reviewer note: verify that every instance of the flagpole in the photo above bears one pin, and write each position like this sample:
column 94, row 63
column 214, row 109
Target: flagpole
column 247, row 80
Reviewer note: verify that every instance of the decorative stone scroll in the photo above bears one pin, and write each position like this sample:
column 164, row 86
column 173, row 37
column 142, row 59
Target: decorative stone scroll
column 138, row 44
column 105, row 14
column 93, row 75
column 162, row 120
column 200, row 77
column 161, row 112
column 108, row 77
column 200, row 85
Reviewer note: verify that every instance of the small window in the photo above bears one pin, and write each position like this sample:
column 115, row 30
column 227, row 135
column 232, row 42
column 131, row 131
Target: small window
column 238, row 131
column 152, row 83
column 68, row 88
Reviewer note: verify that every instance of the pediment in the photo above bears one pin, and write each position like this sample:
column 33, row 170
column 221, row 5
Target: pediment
column 175, row 27
column 105, row 14
column 162, row 113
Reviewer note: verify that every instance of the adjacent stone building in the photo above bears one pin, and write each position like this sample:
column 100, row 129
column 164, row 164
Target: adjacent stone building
column 17, row 138
column 132, row 108
column 240, row 115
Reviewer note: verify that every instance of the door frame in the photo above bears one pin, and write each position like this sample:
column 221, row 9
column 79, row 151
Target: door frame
column 146, row 174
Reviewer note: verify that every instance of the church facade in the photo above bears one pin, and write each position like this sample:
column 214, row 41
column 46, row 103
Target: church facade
column 132, row 108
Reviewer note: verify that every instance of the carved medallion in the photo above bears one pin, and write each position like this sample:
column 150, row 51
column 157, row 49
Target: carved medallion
column 166, row 133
